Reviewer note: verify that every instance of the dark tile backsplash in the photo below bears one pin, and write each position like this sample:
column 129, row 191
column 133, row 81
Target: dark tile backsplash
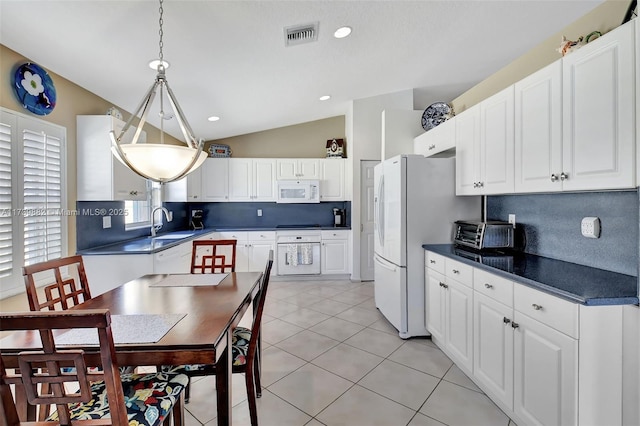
column 89, row 231
column 551, row 224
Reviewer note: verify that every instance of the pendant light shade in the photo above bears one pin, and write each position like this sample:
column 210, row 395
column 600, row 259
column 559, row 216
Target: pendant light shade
column 159, row 162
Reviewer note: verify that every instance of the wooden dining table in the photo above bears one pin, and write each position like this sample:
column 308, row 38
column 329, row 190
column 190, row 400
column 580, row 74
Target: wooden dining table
column 202, row 336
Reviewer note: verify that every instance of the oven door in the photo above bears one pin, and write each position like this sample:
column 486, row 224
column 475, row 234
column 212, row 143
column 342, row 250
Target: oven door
column 299, row 258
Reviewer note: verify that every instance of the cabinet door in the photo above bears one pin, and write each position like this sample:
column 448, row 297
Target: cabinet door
column 308, row 168
column 335, row 257
column 332, row 187
column 459, row 323
column 215, row 179
column 435, row 304
column 194, row 184
column 240, row 179
column 264, row 180
column 493, row 347
column 286, row 168
column 545, row 374
column 598, row 113
column 496, row 139
column 538, row 131
column 258, row 254
column 468, row 151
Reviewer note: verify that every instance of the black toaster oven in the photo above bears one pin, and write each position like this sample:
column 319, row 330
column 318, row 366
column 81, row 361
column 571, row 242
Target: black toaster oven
column 482, row 235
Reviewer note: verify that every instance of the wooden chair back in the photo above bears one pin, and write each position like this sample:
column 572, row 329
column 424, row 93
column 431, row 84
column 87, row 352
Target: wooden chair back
column 258, row 307
column 66, row 283
column 45, row 366
column 213, row 256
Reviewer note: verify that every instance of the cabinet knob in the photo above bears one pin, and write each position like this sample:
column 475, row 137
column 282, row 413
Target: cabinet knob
column 443, row 285
column 455, row 271
column 564, row 176
column 486, row 285
column 475, row 184
column 432, row 147
column 133, row 192
column 554, row 178
column 515, row 325
column 432, row 261
column 480, row 184
column 536, row 307
column 506, row 320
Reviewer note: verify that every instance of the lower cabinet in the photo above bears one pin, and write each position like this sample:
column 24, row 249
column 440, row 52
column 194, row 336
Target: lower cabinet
column 175, row 260
column 335, row 253
column 103, row 276
column 534, row 354
column 252, row 248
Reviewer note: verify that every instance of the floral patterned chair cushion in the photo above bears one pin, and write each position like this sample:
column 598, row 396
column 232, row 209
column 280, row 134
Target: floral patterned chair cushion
column 149, row 398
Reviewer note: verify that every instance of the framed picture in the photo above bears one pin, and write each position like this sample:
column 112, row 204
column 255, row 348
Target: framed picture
column 335, row 148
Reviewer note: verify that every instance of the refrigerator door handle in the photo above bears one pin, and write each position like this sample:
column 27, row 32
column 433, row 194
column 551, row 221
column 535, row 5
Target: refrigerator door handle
column 387, row 265
column 379, row 211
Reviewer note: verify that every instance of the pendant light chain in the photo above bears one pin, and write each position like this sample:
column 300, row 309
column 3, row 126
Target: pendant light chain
column 160, row 21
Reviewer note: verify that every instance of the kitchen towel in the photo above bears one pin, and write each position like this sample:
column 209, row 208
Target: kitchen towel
column 292, row 254
column 305, row 254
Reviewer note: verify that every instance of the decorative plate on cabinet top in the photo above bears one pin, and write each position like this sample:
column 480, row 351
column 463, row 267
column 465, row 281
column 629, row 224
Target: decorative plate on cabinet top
column 436, row 114
column 34, row 88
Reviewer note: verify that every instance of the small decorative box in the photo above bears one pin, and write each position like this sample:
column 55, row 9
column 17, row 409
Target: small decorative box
column 219, row 151
column 335, row 148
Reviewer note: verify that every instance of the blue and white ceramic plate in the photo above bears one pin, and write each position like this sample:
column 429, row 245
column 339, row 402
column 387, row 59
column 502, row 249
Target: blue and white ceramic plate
column 34, row 88
column 435, row 114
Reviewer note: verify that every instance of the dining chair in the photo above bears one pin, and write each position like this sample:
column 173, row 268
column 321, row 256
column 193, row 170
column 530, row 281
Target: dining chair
column 246, row 349
column 81, row 395
column 213, row 256
column 67, row 283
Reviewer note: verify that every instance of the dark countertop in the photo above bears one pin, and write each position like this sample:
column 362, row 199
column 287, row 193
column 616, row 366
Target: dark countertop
column 148, row 245
column 570, row 281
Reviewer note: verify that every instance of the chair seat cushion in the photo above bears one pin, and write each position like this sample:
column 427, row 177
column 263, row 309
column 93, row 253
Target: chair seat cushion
column 239, row 349
column 149, row 398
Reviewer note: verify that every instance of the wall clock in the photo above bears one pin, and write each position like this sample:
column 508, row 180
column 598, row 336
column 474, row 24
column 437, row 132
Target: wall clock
column 34, row 88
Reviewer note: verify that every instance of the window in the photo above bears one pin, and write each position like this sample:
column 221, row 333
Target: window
column 139, row 212
column 33, row 217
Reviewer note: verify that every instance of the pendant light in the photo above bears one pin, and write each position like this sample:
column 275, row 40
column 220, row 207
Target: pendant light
column 159, row 162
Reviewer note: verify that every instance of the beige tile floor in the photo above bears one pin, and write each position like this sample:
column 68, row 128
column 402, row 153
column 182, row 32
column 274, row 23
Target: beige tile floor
column 330, row 358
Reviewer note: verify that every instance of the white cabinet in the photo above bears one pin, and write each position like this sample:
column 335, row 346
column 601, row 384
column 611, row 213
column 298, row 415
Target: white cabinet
column 252, row 179
column 439, row 141
column 332, row 185
column 210, row 182
column 298, row 168
column 484, row 146
column 538, row 131
column 599, row 113
column 174, row 260
column 100, row 176
column 215, row 179
column 104, row 276
column 449, row 311
column 335, row 252
column 252, row 248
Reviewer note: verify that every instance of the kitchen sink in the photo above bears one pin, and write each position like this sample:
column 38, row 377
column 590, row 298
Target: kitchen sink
column 174, row 236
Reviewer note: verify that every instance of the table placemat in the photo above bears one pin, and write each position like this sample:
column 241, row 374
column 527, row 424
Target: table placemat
column 190, row 280
column 143, row 328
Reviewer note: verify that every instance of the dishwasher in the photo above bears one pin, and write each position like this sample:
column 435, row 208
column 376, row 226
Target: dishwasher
column 298, row 253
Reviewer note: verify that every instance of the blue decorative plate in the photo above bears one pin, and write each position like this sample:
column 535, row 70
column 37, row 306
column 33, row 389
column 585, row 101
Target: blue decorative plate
column 34, row 88
column 436, row 114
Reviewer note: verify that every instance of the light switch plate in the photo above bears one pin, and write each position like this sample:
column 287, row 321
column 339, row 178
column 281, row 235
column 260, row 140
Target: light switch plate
column 106, row 222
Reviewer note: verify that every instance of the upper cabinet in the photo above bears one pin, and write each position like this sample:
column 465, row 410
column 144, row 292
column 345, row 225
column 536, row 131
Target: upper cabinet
column 298, row 168
column 332, row 186
column 210, row 182
column 440, row 140
column 252, row 179
column 484, row 146
column 598, row 113
column 538, row 137
column 101, row 177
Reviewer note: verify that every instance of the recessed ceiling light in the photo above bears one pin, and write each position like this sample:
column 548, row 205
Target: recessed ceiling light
column 325, row 98
column 213, row 118
column 342, row 32
column 154, row 64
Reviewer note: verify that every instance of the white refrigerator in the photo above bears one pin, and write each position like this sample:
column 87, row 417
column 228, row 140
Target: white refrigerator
column 414, row 204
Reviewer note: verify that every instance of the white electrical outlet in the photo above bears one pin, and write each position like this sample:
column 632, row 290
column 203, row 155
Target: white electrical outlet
column 590, row 227
column 106, row 222
column 259, row 212
column 512, row 220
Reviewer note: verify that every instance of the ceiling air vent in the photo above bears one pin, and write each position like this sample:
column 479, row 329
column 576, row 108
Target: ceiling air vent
column 300, row 34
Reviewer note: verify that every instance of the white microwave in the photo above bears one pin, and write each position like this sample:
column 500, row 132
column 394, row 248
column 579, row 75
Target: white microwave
column 298, row 191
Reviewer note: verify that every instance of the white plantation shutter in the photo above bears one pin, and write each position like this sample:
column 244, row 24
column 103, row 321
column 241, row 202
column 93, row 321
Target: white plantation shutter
column 6, row 222
column 33, row 215
column 42, row 197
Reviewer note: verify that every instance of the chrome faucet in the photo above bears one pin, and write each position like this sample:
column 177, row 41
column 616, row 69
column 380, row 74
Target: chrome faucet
column 155, row 228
